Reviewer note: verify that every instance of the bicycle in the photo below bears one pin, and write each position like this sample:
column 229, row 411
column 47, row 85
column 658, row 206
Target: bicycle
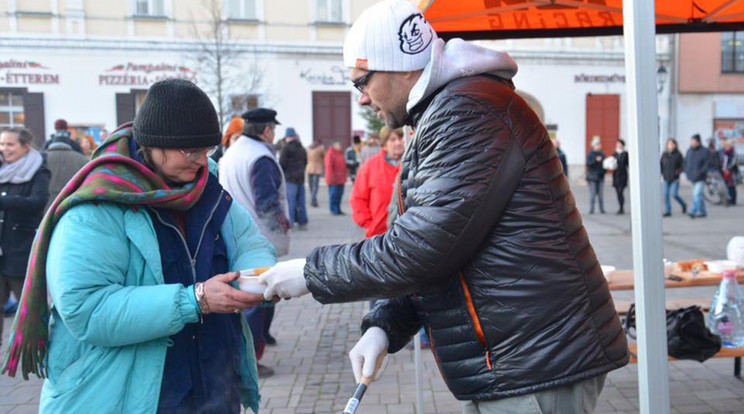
column 715, row 191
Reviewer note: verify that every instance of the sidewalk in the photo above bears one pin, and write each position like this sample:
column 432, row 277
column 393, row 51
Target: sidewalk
column 313, row 374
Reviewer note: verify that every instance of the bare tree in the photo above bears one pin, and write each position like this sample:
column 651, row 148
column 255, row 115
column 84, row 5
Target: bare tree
column 225, row 66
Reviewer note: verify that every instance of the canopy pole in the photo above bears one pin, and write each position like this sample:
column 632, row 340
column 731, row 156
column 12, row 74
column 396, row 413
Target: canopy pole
column 419, row 373
column 645, row 196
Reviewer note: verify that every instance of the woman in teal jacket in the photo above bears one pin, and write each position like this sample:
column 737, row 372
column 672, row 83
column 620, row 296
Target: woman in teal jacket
column 140, row 253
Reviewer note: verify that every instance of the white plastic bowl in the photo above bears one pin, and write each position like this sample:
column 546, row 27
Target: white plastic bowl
column 251, row 284
column 607, row 270
column 720, row 266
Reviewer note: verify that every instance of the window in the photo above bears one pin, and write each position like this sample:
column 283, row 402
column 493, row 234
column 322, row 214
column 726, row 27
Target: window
column 149, row 8
column 242, row 9
column 329, row 11
column 242, row 103
column 732, row 52
column 11, row 110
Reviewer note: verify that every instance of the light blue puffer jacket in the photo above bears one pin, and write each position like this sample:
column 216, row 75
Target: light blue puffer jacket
column 113, row 314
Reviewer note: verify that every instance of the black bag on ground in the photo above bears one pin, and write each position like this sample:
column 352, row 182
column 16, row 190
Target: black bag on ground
column 687, row 335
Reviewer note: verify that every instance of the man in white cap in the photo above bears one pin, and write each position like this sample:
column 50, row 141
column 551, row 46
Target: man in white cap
column 489, row 254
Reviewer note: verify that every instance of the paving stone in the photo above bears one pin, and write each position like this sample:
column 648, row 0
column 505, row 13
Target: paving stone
column 313, row 374
column 695, row 409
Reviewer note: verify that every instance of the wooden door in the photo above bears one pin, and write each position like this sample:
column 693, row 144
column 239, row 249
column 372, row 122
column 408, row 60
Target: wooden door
column 33, row 110
column 332, row 117
column 124, row 108
column 603, row 120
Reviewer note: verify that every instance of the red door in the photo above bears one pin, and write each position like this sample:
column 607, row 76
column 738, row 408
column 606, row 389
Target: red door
column 332, row 117
column 603, row 120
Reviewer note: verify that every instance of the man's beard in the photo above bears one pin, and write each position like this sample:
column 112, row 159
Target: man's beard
column 394, row 121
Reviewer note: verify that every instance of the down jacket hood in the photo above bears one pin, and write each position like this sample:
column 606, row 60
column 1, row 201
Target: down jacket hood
column 459, row 59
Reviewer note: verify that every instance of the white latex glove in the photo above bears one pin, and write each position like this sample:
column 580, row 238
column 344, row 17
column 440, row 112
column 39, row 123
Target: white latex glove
column 368, row 354
column 285, row 279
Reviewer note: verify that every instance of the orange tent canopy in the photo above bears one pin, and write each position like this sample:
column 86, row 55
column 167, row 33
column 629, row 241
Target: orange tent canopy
column 499, row 19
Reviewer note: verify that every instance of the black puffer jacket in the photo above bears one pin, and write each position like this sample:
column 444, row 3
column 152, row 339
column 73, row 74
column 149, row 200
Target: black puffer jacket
column 22, row 206
column 293, row 159
column 490, row 254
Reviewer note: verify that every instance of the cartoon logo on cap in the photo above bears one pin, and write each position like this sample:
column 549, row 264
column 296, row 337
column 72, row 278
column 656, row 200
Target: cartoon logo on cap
column 415, row 34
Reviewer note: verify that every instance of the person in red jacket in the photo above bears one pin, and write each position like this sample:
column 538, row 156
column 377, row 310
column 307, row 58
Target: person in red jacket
column 335, row 169
column 373, row 187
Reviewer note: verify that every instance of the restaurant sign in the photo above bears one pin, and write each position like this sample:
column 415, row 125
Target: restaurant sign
column 336, row 75
column 584, row 78
column 26, row 72
column 144, row 74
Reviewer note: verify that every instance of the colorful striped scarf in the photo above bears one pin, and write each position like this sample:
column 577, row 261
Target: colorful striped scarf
column 112, row 176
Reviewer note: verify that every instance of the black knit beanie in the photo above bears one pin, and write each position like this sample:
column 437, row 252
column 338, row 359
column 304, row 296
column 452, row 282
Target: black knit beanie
column 176, row 114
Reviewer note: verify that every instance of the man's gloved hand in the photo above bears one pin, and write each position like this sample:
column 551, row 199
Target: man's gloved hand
column 285, row 279
column 368, row 354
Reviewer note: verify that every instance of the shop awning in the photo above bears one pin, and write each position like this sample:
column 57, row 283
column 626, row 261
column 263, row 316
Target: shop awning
column 502, row 19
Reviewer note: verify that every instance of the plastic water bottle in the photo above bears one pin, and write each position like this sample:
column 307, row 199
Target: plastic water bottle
column 725, row 318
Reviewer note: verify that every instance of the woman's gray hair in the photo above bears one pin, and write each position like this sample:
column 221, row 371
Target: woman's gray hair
column 25, row 137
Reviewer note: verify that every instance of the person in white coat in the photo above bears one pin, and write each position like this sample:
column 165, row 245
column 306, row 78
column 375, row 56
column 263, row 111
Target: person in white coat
column 250, row 172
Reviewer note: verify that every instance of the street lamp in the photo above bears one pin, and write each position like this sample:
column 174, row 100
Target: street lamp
column 661, row 77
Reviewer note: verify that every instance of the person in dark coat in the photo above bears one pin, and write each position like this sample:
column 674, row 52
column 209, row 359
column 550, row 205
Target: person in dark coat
column 595, row 175
column 620, row 176
column 489, row 253
column 61, row 134
column 63, row 162
column 561, row 156
column 24, row 192
column 293, row 159
column 730, row 171
column 697, row 163
column 672, row 164
column 352, row 156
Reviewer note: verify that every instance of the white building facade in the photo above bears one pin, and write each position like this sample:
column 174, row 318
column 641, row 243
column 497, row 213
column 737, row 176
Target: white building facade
column 91, row 62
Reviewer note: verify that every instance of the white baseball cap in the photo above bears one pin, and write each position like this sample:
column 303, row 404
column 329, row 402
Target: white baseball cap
column 391, row 36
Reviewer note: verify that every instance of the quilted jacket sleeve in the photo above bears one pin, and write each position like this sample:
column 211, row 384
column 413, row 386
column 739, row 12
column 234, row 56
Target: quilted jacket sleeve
column 468, row 163
column 87, row 267
column 397, row 318
column 246, row 247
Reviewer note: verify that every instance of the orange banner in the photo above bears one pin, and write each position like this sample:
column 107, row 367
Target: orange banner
column 535, row 18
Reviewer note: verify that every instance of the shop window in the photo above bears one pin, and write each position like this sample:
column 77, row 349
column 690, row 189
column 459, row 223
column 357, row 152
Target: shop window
column 732, row 52
column 149, row 8
column 11, row 110
column 330, row 11
column 242, row 9
column 242, row 103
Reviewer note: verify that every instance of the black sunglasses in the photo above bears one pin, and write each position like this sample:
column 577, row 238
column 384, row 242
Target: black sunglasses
column 361, row 83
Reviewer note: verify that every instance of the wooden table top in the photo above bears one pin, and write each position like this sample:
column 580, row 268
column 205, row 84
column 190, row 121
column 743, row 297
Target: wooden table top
column 623, row 280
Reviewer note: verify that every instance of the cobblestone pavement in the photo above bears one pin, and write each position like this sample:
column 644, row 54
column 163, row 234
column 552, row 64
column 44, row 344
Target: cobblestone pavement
column 313, row 374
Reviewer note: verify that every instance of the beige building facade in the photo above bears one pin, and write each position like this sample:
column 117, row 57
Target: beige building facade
column 91, row 62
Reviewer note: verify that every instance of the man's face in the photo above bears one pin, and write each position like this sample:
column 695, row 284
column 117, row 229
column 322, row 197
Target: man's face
column 694, row 143
column 269, row 134
column 387, row 94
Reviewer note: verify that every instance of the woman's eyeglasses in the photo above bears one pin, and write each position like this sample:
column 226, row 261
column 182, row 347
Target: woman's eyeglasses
column 195, row 155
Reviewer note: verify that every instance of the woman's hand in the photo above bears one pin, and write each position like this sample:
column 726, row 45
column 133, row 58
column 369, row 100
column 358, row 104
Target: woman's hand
column 221, row 297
